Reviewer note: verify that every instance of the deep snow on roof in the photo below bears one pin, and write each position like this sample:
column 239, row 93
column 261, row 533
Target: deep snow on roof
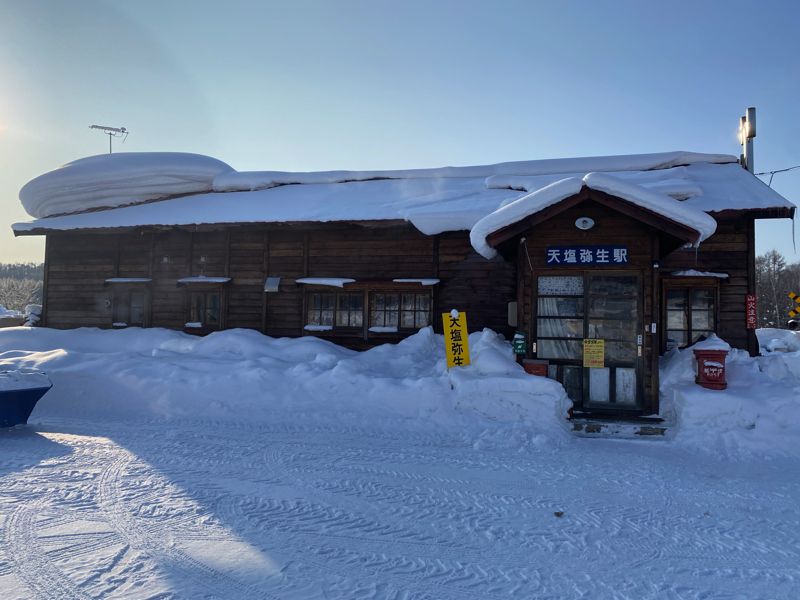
column 433, row 200
column 539, row 199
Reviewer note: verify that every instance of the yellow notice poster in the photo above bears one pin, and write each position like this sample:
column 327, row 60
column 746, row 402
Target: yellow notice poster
column 456, row 342
column 594, row 354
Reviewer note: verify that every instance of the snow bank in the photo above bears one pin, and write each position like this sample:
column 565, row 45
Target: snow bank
column 111, row 180
column 757, row 416
column 778, row 340
column 145, row 374
column 7, row 313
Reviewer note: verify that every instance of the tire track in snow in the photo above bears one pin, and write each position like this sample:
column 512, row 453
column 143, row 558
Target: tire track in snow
column 31, row 563
column 138, row 538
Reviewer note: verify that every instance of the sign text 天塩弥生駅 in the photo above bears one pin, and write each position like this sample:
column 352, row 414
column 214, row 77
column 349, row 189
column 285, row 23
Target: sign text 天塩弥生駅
column 587, row 255
column 456, row 338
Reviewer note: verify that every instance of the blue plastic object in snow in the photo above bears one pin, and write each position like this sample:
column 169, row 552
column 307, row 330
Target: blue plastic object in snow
column 17, row 403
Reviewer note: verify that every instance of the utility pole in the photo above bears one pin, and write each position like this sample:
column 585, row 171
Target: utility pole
column 747, row 131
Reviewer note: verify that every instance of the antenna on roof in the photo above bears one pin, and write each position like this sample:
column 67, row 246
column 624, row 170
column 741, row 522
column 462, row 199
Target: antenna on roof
column 112, row 132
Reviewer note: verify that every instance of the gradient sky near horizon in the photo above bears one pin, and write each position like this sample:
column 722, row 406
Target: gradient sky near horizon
column 313, row 85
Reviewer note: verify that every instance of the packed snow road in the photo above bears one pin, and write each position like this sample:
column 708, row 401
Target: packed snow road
column 224, row 510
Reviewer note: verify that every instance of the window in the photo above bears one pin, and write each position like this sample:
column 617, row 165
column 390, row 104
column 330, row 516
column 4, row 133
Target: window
column 329, row 310
column 400, row 310
column 389, row 311
column 129, row 308
column 204, row 309
column 690, row 314
column 349, row 310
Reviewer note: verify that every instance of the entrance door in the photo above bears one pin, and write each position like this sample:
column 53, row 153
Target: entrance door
column 595, row 305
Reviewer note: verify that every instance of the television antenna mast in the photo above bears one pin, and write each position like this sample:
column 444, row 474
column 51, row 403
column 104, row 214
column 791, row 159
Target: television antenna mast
column 112, row 132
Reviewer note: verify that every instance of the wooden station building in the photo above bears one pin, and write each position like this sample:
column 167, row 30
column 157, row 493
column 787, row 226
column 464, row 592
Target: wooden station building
column 645, row 252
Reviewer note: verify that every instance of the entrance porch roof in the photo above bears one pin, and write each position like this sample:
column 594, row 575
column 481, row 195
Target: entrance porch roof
column 682, row 221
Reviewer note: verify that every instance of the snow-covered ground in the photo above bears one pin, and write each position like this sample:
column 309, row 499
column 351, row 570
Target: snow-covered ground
column 163, row 465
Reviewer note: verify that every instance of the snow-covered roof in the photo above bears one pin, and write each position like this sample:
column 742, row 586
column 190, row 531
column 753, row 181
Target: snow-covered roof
column 541, row 198
column 118, row 179
column 433, row 200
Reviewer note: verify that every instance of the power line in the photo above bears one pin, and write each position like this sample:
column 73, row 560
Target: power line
column 772, row 173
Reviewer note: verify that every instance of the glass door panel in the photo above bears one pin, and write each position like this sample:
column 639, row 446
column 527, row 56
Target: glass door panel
column 597, row 306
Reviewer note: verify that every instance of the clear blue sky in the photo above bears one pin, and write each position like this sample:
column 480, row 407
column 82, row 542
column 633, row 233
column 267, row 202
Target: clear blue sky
column 301, row 85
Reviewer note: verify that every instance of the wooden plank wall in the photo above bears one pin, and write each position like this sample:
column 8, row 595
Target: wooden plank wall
column 729, row 250
column 76, row 274
column 80, row 262
column 483, row 288
column 172, row 259
column 245, row 294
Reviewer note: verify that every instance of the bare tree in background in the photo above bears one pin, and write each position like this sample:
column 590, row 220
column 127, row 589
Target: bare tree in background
column 15, row 294
column 774, row 280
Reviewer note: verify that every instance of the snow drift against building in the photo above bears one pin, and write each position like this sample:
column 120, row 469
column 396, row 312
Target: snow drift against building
column 111, row 180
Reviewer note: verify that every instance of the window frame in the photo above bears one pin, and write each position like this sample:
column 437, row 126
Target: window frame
column 126, row 290
column 366, row 290
column 204, row 290
column 400, row 310
column 688, row 285
column 334, row 307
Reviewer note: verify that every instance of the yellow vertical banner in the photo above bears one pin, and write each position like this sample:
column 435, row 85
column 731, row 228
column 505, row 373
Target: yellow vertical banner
column 456, row 340
column 594, row 353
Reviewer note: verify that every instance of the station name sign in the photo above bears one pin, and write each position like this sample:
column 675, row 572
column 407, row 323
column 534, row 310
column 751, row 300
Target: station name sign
column 587, row 255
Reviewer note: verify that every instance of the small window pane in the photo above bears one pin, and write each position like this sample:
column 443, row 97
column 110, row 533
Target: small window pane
column 625, row 392
column 565, row 349
column 408, row 301
column 422, row 319
column 407, row 320
column 614, row 285
column 702, row 319
column 137, row 308
column 423, row 302
column 676, row 299
column 675, row 339
column 560, row 286
column 212, row 309
column 196, row 308
column 613, row 329
column 676, row 319
column 618, row 352
column 392, row 301
column 611, row 308
column 560, row 307
column 565, row 328
column 121, row 308
column 702, row 299
column 573, row 383
column 599, row 383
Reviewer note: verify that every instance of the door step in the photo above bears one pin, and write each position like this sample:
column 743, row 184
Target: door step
column 617, row 429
